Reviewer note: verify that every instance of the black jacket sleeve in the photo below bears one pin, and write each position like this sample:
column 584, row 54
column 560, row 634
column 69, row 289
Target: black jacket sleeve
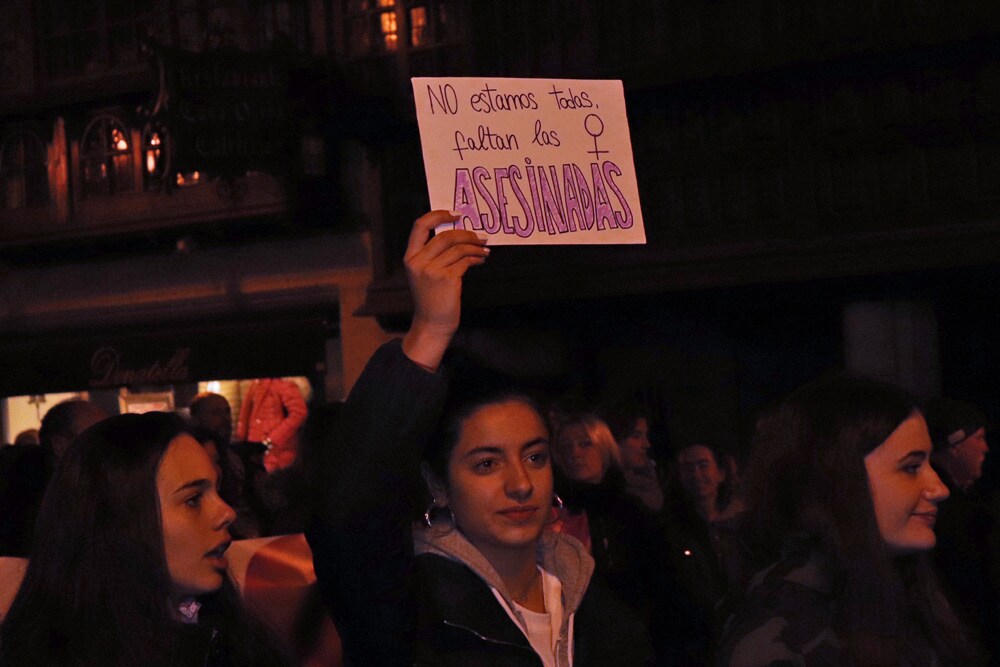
column 360, row 537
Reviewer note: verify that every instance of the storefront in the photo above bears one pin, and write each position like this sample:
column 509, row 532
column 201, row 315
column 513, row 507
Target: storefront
column 164, row 367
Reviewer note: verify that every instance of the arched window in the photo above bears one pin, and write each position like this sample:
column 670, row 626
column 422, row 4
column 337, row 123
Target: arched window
column 24, row 174
column 106, row 158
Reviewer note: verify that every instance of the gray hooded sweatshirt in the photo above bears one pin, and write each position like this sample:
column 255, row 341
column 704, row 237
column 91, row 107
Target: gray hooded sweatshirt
column 562, row 555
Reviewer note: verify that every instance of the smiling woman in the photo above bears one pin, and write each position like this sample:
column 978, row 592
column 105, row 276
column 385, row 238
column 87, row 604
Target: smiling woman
column 129, row 563
column 842, row 502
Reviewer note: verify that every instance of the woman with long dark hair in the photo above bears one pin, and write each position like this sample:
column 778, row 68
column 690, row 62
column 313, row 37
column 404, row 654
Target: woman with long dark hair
column 128, row 566
column 480, row 581
column 842, row 502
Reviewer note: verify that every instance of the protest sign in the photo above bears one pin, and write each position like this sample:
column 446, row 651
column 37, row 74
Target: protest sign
column 531, row 161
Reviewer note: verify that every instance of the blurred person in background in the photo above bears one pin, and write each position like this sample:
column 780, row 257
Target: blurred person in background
column 968, row 549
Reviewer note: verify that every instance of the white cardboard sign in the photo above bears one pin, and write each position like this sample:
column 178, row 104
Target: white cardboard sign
column 531, row 161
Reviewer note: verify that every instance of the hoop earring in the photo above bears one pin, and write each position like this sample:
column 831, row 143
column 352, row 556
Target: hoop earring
column 557, row 507
column 429, row 514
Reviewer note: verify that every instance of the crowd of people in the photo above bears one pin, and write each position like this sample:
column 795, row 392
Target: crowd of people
column 455, row 522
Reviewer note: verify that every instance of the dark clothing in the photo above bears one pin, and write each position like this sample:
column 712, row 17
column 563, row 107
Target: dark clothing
column 394, row 608
column 787, row 617
column 631, row 554
column 628, row 548
column 460, row 623
column 707, row 561
column 968, row 539
column 24, row 475
column 708, row 558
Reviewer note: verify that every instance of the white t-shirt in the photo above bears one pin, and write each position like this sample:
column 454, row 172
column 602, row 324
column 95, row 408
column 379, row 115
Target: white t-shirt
column 543, row 627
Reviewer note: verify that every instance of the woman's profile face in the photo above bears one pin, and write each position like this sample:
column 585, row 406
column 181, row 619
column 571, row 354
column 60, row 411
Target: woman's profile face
column 500, row 478
column 635, row 445
column 195, row 519
column 581, row 459
column 905, row 489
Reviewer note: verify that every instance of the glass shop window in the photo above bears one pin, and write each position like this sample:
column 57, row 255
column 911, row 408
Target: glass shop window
column 106, row 158
column 24, row 174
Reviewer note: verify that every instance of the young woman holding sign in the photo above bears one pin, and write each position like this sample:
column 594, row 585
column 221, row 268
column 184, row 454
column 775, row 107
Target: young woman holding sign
column 480, row 580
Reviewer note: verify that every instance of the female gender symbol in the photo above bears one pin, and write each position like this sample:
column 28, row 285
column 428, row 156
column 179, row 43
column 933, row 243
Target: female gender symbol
column 597, row 131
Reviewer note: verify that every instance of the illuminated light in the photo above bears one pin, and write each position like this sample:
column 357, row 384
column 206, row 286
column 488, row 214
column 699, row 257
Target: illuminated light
column 386, row 3
column 418, row 24
column 155, row 139
column 189, row 178
column 118, row 139
column 214, row 386
column 687, row 552
column 389, row 28
column 151, row 161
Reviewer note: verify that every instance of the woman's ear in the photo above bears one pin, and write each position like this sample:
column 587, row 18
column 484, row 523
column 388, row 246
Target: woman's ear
column 437, row 489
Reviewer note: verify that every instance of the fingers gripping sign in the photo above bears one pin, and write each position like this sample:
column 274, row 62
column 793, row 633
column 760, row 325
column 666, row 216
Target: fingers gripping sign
column 435, row 266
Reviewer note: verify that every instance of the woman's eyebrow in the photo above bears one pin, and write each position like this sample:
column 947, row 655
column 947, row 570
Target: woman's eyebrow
column 918, row 453
column 485, row 449
column 532, row 443
column 199, row 484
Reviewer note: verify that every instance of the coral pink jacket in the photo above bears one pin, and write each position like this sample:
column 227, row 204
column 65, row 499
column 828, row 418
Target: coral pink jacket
column 273, row 408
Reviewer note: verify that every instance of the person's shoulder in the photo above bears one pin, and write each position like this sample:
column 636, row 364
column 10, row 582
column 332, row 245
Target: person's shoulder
column 786, row 616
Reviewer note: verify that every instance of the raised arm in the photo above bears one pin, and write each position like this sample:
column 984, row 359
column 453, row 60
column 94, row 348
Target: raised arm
column 361, row 542
column 435, row 269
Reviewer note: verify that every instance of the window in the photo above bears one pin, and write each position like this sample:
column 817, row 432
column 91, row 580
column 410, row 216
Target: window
column 428, row 22
column 372, row 26
column 390, row 26
column 106, row 158
column 84, row 38
column 24, row 176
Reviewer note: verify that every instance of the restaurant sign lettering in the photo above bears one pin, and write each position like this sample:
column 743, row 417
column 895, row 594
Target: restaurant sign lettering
column 225, row 111
column 109, row 369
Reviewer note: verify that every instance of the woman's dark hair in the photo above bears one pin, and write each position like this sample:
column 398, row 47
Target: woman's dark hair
column 622, row 418
column 808, row 487
column 458, row 408
column 97, row 589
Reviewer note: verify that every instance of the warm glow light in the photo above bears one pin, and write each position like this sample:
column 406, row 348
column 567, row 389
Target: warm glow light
column 214, row 386
column 118, row 139
column 153, row 152
column 418, row 23
column 389, row 36
column 190, row 178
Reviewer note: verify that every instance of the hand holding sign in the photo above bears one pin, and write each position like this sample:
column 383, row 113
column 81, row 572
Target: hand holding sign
column 531, row 161
column 435, row 269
